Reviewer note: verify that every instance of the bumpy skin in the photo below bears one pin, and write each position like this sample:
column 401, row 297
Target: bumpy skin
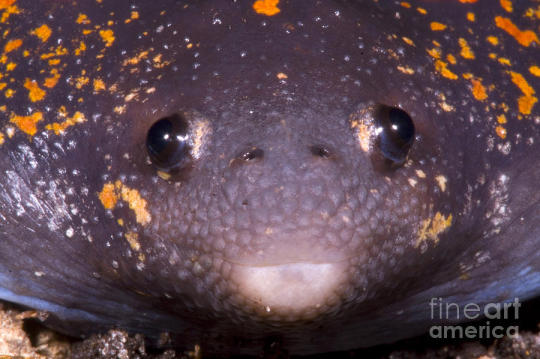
column 326, row 252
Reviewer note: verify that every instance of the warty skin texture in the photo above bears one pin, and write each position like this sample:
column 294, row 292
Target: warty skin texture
column 326, row 252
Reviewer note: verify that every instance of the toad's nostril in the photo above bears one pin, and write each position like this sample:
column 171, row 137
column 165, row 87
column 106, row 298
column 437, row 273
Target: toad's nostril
column 320, row 151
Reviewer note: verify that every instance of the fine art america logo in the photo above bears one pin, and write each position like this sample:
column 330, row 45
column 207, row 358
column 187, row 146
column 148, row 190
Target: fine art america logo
column 442, row 311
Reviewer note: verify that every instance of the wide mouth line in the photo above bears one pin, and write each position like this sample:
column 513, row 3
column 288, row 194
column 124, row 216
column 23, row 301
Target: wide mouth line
column 284, row 263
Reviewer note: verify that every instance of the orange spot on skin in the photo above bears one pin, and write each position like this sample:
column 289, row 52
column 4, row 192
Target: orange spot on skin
column 408, row 41
column 81, row 81
column 441, row 67
column 132, row 239
column 80, row 49
column 493, row 40
column 27, row 124
column 12, row 45
column 99, row 85
column 535, row 70
column 405, row 4
column 468, row 1
column 435, row 53
column 466, row 51
column 478, row 90
column 82, row 19
column 108, row 196
column 523, row 37
column 4, row 4
column 43, row 32
column 451, row 59
column 501, row 132
column 60, row 128
column 471, row 17
column 437, row 26
column 406, row 70
column 111, row 193
column 9, row 9
column 35, row 93
column 266, row 7
column 107, row 36
column 504, row 61
column 432, row 227
column 50, row 82
column 501, row 119
column 527, row 101
column 421, row 10
column 506, row 5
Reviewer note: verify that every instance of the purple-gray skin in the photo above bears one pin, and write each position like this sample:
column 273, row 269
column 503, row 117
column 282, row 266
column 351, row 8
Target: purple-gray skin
column 229, row 171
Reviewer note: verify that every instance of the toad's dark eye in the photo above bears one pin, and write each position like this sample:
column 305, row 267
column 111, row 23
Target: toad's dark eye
column 168, row 143
column 395, row 130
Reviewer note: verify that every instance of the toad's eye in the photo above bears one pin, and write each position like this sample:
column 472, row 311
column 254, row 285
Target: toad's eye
column 168, row 144
column 395, row 132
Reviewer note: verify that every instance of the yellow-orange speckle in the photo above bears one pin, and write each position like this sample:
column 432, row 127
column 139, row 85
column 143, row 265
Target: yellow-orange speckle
column 432, row 227
column 466, row 51
column 442, row 68
column 506, row 5
column 527, row 101
column 11, row 66
column 107, row 36
column 12, row 45
column 50, row 82
column 27, row 124
column 501, row 132
column 493, row 40
column 437, row 26
column 405, row 4
column 501, row 119
column 99, row 85
column 4, row 4
column 80, row 49
column 408, row 41
column 504, row 61
column 451, row 59
column 43, row 32
column 523, row 37
column 111, row 193
column 406, row 70
column 82, row 19
column 435, row 53
column 421, row 10
column 108, row 196
column 81, row 81
column 478, row 90
column 266, row 7
column 9, row 93
column 471, row 17
column 35, row 93
column 282, row 76
column 60, row 128
column 132, row 239
column 535, row 70
column 9, row 9
column 136, row 203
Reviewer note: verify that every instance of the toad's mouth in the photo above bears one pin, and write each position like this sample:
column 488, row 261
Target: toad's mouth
column 290, row 291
